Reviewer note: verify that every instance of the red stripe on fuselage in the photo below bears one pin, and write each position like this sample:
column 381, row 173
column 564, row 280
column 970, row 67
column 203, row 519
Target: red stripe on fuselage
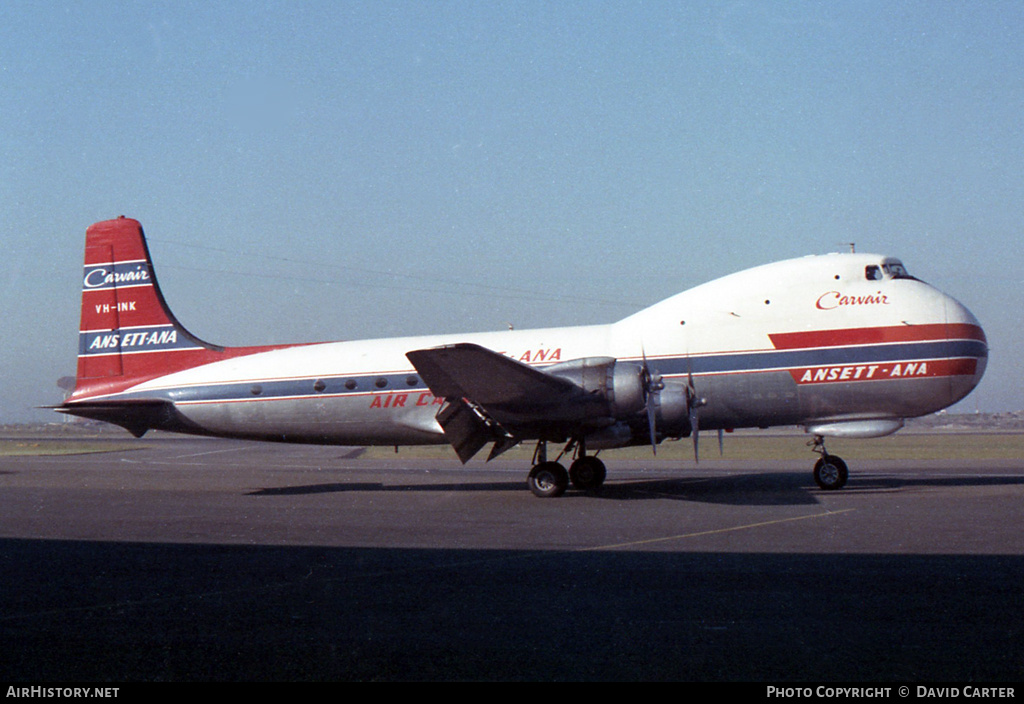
column 873, row 336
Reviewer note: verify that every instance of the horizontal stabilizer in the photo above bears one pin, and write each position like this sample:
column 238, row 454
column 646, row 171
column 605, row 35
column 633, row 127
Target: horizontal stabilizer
column 135, row 416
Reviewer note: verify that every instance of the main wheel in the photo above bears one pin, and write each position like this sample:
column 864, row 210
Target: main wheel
column 548, row 480
column 830, row 472
column 587, row 473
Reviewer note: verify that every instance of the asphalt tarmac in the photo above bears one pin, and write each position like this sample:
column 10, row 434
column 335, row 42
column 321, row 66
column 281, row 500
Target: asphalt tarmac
column 212, row 560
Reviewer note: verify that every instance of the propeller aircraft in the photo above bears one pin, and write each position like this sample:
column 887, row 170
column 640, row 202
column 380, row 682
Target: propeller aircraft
column 842, row 345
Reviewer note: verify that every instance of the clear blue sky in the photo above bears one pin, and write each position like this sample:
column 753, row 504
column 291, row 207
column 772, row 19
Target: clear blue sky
column 335, row 170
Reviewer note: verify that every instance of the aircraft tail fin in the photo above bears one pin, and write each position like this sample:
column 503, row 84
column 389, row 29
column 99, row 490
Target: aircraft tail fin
column 127, row 332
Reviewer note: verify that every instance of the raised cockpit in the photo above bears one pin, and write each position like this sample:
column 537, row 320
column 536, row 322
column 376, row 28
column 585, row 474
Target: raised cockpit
column 887, row 269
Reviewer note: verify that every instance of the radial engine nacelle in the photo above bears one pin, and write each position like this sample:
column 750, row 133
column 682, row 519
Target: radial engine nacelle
column 672, row 410
column 624, row 399
column 615, row 390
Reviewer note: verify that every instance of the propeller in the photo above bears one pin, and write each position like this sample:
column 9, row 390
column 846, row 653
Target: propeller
column 693, row 403
column 651, row 383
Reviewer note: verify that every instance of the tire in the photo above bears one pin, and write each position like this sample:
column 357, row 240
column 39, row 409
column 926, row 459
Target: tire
column 830, row 473
column 587, row 473
column 548, row 480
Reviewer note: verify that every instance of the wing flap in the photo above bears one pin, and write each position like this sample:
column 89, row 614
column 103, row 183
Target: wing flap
column 466, row 429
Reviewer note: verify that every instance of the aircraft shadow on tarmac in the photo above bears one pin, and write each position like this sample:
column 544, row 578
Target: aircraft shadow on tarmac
column 744, row 489
column 738, row 489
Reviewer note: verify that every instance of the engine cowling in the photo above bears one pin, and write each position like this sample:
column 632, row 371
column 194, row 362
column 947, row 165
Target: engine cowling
column 615, row 389
column 615, row 401
column 672, row 410
column 671, row 414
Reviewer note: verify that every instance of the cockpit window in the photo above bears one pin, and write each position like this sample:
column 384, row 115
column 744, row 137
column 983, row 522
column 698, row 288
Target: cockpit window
column 895, row 270
column 888, row 269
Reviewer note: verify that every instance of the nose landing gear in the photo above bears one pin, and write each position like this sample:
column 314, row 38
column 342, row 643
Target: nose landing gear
column 830, row 471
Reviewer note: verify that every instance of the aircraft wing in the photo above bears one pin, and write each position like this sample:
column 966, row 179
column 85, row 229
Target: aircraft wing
column 490, row 379
column 490, row 396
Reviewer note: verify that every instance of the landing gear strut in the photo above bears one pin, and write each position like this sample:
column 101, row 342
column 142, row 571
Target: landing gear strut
column 830, row 471
column 549, row 479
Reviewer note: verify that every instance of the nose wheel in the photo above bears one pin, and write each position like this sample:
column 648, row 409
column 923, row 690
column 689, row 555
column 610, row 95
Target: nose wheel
column 830, row 472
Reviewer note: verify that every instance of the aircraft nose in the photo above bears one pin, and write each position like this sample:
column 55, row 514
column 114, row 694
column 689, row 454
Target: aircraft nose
column 972, row 348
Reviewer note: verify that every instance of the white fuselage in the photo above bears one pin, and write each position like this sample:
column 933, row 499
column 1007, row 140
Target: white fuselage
column 809, row 340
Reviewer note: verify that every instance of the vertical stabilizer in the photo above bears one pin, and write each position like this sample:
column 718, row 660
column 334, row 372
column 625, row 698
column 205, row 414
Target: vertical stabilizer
column 127, row 333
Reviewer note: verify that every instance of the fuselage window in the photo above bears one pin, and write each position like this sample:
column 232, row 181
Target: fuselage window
column 873, row 273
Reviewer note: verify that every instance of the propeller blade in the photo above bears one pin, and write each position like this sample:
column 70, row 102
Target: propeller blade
column 693, row 402
column 651, row 384
column 694, row 430
column 650, row 425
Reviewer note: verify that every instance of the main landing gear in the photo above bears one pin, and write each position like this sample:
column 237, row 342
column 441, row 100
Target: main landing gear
column 550, row 479
column 830, row 471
